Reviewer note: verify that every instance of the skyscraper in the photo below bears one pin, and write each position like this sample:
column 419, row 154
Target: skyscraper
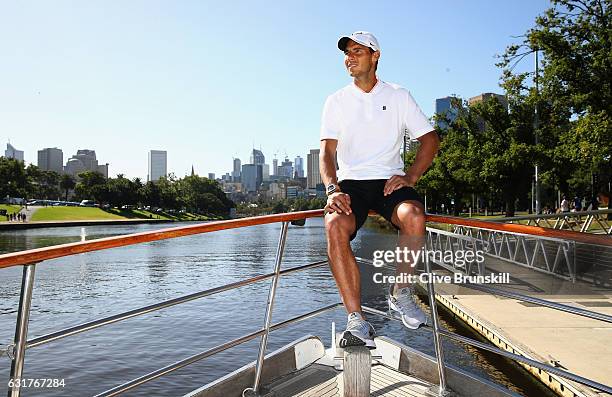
column 314, row 175
column 211, row 176
column 275, row 167
column 299, row 166
column 488, row 95
column 236, row 171
column 251, row 177
column 158, row 165
column 257, row 157
column 88, row 158
column 12, row 153
column 85, row 160
column 103, row 169
column 286, row 168
column 51, row 159
column 446, row 110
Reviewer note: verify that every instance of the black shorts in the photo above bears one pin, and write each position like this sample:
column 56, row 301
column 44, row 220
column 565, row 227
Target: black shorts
column 368, row 195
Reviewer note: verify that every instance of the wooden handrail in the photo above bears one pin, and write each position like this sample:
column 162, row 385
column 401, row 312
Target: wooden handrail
column 524, row 229
column 58, row 251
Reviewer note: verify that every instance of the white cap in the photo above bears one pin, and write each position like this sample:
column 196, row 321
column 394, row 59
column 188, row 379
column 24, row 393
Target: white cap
column 364, row 38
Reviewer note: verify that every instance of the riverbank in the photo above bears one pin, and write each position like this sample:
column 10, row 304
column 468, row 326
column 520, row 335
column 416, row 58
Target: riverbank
column 42, row 217
column 43, row 224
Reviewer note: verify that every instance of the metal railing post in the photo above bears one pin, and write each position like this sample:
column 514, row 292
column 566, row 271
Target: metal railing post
column 21, row 330
column 442, row 391
column 269, row 308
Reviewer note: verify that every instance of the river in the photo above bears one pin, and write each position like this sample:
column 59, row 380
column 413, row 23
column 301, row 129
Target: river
column 72, row 290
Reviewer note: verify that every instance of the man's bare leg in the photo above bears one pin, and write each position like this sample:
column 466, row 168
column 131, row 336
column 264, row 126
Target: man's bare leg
column 410, row 217
column 338, row 228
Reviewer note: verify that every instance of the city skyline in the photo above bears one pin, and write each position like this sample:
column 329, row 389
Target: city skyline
column 257, row 156
column 83, row 154
column 165, row 85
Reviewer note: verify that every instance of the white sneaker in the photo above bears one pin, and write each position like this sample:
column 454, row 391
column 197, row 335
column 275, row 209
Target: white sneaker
column 358, row 332
column 412, row 316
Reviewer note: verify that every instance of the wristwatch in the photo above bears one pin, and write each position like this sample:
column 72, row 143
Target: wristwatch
column 332, row 188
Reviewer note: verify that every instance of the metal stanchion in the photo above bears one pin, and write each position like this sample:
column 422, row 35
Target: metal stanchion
column 254, row 391
column 21, row 330
column 442, row 391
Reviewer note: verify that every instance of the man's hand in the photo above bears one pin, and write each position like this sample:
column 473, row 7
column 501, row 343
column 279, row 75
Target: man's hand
column 338, row 202
column 397, row 182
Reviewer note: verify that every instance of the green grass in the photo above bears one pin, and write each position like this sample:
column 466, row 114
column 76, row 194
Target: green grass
column 72, row 214
column 91, row 213
column 142, row 214
column 10, row 209
column 137, row 214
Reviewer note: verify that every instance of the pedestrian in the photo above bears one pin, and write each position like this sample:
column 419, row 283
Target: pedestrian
column 594, row 205
column 565, row 205
column 578, row 203
column 364, row 124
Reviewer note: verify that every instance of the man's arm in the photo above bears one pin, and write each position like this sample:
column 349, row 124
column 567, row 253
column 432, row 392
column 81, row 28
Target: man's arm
column 336, row 202
column 327, row 164
column 424, row 157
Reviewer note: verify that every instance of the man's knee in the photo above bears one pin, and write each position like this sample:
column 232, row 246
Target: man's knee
column 339, row 226
column 410, row 217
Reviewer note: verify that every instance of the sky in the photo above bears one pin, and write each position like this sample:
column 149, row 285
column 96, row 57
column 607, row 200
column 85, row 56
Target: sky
column 208, row 80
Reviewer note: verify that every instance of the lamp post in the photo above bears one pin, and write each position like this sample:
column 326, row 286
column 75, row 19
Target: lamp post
column 535, row 132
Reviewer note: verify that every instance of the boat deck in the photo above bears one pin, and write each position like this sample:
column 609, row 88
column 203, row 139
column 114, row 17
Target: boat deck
column 323, row 381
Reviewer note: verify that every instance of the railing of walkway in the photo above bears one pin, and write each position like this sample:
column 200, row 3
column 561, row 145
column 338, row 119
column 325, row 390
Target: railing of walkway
column 31, row 258
column 552, row 256
column 595, row 221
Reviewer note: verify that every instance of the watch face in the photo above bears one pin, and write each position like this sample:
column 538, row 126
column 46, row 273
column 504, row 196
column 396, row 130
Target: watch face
column 331, row 189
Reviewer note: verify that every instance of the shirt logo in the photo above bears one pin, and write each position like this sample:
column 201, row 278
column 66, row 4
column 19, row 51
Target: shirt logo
column 384, row 108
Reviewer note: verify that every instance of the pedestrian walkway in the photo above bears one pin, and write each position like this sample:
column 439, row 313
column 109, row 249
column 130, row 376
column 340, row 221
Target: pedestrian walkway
column 29, row 212
column 577, row 344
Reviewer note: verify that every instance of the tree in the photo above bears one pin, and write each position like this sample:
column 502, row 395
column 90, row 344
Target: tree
column 485, row 150
column 92, row 185
column 150, row 194
column 137, row 190
column 576, row 88
column 33, row 174
column 202, row 195
column 13, row 178
column 48, row 183
column 455, row 171
column 122, row 191
column 279, row 207
column 67, row 183
column 169, row 195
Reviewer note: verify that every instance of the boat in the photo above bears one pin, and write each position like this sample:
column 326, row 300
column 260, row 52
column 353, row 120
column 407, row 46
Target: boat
column 304, row 367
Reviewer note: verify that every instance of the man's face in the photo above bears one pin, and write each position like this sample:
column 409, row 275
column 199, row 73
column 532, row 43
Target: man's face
column 359, row 60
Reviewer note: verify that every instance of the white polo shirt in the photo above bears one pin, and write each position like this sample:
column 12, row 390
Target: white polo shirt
column 369, row 127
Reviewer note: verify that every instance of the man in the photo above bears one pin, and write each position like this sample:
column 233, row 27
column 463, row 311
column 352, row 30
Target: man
column 578, row 203
column 565, row 204
column 364, row 124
